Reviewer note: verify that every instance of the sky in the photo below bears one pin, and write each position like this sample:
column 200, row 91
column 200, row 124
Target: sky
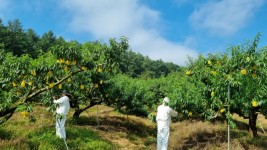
column 170, row 30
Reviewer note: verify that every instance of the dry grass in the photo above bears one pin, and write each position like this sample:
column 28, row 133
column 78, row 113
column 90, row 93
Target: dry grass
column 126, row 131
column 15, row 131
column 140, row 133
column 195, row 135
column 129, row 132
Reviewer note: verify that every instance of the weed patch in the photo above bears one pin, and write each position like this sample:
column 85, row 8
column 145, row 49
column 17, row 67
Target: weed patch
column 77, row 138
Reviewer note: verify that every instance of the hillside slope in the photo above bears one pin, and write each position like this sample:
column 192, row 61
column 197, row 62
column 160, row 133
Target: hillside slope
column 103, row 128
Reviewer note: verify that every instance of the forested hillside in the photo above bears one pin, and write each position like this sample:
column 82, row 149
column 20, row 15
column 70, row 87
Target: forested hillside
column 14, row 38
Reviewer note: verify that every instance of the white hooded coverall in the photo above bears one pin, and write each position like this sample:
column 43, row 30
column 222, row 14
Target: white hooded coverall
column 163, row 119
column 62, row 112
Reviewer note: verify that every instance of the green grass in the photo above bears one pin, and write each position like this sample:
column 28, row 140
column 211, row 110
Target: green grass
column 5, row 135
column 20, row 134
column 119, row 131
column 77, row 138
column 44, row 138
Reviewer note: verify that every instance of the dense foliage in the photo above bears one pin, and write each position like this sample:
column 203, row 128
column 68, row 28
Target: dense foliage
column 235, row 79
column 18, row 41
column 34, row 68
column 136, row 65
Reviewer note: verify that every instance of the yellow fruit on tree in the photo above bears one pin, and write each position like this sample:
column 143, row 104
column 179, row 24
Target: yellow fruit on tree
column 101, row 81
column 18, row 92
column 81, row 86
column 49, row 73
column 222, row 110
column 34, row 72
column 99, row 69
column 254, row 75
column 74, row 62
column 60, row 86
column 248, row 59
column 22, row 84
column 67, row 62
column 209, row 62
column 213, row 73
column 66, row 69
column 254, row 103
column 84, row 68
column 14, row 84
column 228, row 77
column 212, row 93
column 190, row 114
column 61, row 60
column 188, row 72
column 244, row 71
column 69, row 79
column 51, row 85
column 96, row 85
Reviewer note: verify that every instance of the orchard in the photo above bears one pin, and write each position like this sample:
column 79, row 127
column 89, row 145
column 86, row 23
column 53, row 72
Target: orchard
column 242, row 71
column 217, row 85
column 26, row 81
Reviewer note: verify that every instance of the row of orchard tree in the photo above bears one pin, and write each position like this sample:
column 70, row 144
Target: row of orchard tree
column 234, row 79
column 209, row 87
column 34, row 68
column 19, row 41
column 89, row 72
column 80, row 68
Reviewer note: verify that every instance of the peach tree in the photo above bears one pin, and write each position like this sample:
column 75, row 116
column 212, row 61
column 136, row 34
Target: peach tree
column 26, row 81
column 100, row 61
column 242, row 69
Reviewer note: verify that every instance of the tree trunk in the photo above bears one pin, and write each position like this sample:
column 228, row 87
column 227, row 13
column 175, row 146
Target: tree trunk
column 76, row 114
column 78, row 110
column 7, row 114
column 252, row 123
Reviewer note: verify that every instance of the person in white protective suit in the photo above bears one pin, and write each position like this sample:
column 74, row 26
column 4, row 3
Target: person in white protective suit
column 61, row 113
column 164, row 114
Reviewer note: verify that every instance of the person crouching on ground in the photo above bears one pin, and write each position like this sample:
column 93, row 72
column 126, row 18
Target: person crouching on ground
column 61, row 113
column 164, row 113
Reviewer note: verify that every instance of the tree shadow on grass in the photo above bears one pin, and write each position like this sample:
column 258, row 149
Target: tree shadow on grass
column 5, row 135
column 241, row 125
column 200, row 140
column 260, row 141
column 119, row 124
column 136, row 131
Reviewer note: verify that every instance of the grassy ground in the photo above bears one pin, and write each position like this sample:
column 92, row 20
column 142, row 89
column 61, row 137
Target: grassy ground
column 103, row 128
